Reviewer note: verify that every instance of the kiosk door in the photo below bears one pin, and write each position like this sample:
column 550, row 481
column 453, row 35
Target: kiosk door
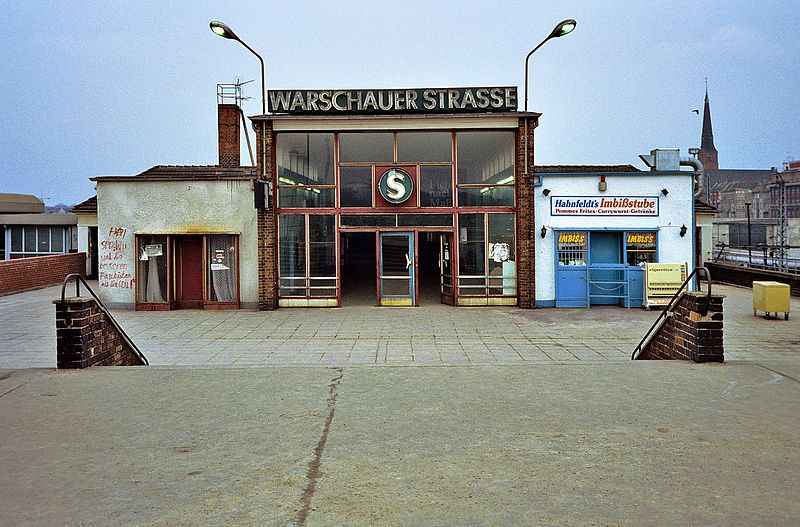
column 396, row 269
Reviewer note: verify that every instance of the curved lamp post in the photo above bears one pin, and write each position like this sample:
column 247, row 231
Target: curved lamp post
column 565, row 27
column 225, row 32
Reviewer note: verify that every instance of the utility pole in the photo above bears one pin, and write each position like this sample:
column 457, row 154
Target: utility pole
column 749, row 236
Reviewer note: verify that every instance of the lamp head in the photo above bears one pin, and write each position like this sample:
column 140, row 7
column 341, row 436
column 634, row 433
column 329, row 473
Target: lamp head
column 222, row 30
column 683, row 230
column 565, row 27
column 544, row 231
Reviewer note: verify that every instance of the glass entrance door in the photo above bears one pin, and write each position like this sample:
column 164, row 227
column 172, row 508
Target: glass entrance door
column 396, row 268
column 446, row 269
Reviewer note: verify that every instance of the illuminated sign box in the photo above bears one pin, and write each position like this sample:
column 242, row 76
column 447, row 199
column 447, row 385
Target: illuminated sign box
column 604, row 206
column 414, row 100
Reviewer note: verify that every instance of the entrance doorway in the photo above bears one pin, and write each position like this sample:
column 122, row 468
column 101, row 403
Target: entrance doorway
column 358, row 266
column 189, row 271
column 396, row 268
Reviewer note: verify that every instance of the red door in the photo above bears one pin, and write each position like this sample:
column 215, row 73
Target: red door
column 189, row 253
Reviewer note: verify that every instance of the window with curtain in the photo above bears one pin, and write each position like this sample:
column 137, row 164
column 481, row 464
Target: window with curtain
column 221, row 268
column 151, row 272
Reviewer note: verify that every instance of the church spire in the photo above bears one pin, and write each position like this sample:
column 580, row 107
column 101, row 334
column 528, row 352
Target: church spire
column 707, row 137
column 708, row 152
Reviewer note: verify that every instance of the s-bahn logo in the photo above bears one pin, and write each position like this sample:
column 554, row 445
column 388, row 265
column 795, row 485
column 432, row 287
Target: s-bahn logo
column 396, row 185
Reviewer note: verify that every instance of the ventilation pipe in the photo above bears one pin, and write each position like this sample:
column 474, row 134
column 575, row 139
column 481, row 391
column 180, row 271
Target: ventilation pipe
column 699, row 174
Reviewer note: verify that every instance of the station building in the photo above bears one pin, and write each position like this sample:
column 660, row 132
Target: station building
column 388, row 198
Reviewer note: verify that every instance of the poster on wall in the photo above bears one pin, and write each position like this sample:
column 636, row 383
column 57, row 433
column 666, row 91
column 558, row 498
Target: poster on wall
column 604, row 205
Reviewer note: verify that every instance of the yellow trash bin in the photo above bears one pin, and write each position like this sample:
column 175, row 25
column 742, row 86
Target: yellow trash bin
column 771, row 297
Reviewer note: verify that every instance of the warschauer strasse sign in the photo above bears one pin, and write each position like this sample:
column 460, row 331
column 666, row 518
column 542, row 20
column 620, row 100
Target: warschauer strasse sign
column 427, row 100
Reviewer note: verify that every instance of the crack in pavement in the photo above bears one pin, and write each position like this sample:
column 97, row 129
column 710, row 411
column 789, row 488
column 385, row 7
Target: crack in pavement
column 315, row 464
column 779, row 373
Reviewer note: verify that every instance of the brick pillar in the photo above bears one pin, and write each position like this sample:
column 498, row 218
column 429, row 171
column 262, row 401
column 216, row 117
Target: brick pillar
column 267, row 241
column 228, row 135
column 84, row 337
column 526, row 221
column 689, row 334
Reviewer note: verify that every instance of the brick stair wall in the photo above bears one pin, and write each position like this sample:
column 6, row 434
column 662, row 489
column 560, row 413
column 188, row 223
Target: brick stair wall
column 23, row 274
column 689, row 334
column 85, row 337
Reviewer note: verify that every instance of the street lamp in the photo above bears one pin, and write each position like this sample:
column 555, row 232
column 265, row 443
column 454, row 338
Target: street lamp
column 225, row 32
column 565, row 27
column 749, row 238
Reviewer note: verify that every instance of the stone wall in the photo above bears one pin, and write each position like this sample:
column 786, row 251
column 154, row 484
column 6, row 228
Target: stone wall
column 689, row 334
column 23, row 274
column 85, row 337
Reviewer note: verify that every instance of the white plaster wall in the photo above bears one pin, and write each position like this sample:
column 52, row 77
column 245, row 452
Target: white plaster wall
column 704, row 221
column 176, row 207
column 675, row 209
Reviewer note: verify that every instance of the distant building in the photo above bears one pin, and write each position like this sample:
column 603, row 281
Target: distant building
column 27, row 230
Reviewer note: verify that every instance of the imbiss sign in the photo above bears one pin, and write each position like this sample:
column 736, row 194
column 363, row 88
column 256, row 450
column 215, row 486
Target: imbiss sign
column 428, row 100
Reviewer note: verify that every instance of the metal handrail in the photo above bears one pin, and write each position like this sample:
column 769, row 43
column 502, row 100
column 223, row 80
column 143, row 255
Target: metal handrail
column 671, row 307
column 78, row 279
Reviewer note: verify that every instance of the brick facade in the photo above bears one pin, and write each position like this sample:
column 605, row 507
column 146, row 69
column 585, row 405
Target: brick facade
column 526, row 243
column 228, row 135
column 689, row 334
column 267, row 244
column 85, row 337
column 39, row 271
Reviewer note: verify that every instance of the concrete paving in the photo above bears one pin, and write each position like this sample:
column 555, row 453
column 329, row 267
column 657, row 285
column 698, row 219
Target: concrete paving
column 359, row 335
column 611, row 443
column 537, row 418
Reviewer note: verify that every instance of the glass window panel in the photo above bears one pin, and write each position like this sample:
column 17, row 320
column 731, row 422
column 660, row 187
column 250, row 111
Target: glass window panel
column 221, row 281
column 2, row 242
column 485, row 157
column 292, row 245
column 151, row 275
column 30, row 239
column 501, row 258
column 16, row 239
column 424, row 220
column 471, row 258
column 57, row 239
column 305, row 197
column 436, row 186
column 394, row 254
column 421, row 147
column 572, row 248
column 366, row 147
column 640, row 247
column 486, row 197
column 322, row 246
column 43, row 237
column 355, row 184
column 305, row 159
column 368, row 220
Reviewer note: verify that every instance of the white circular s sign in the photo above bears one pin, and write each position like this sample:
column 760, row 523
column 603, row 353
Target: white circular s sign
column 396, row 185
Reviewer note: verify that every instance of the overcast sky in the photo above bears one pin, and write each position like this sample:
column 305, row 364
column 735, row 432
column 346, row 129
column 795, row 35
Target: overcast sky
column 97, row 88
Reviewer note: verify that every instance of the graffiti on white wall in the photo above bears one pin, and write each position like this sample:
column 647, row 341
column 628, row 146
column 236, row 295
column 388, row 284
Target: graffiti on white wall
column 114, row 271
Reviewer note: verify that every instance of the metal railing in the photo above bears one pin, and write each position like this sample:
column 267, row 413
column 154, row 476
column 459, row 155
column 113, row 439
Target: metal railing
column 78, row 279
column 671, row 307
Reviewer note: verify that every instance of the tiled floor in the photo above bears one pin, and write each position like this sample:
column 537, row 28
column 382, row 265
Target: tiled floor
column 361, row 335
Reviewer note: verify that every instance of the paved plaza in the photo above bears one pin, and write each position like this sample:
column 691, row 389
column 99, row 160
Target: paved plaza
column 364, row 335
column 301, row 418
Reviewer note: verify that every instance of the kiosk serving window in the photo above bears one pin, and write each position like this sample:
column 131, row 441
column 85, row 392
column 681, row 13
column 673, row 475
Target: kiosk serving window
column 640, row 247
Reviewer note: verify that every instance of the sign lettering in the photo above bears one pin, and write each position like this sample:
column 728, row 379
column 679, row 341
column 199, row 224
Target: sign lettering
column 431, row 100
column 604, row 206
